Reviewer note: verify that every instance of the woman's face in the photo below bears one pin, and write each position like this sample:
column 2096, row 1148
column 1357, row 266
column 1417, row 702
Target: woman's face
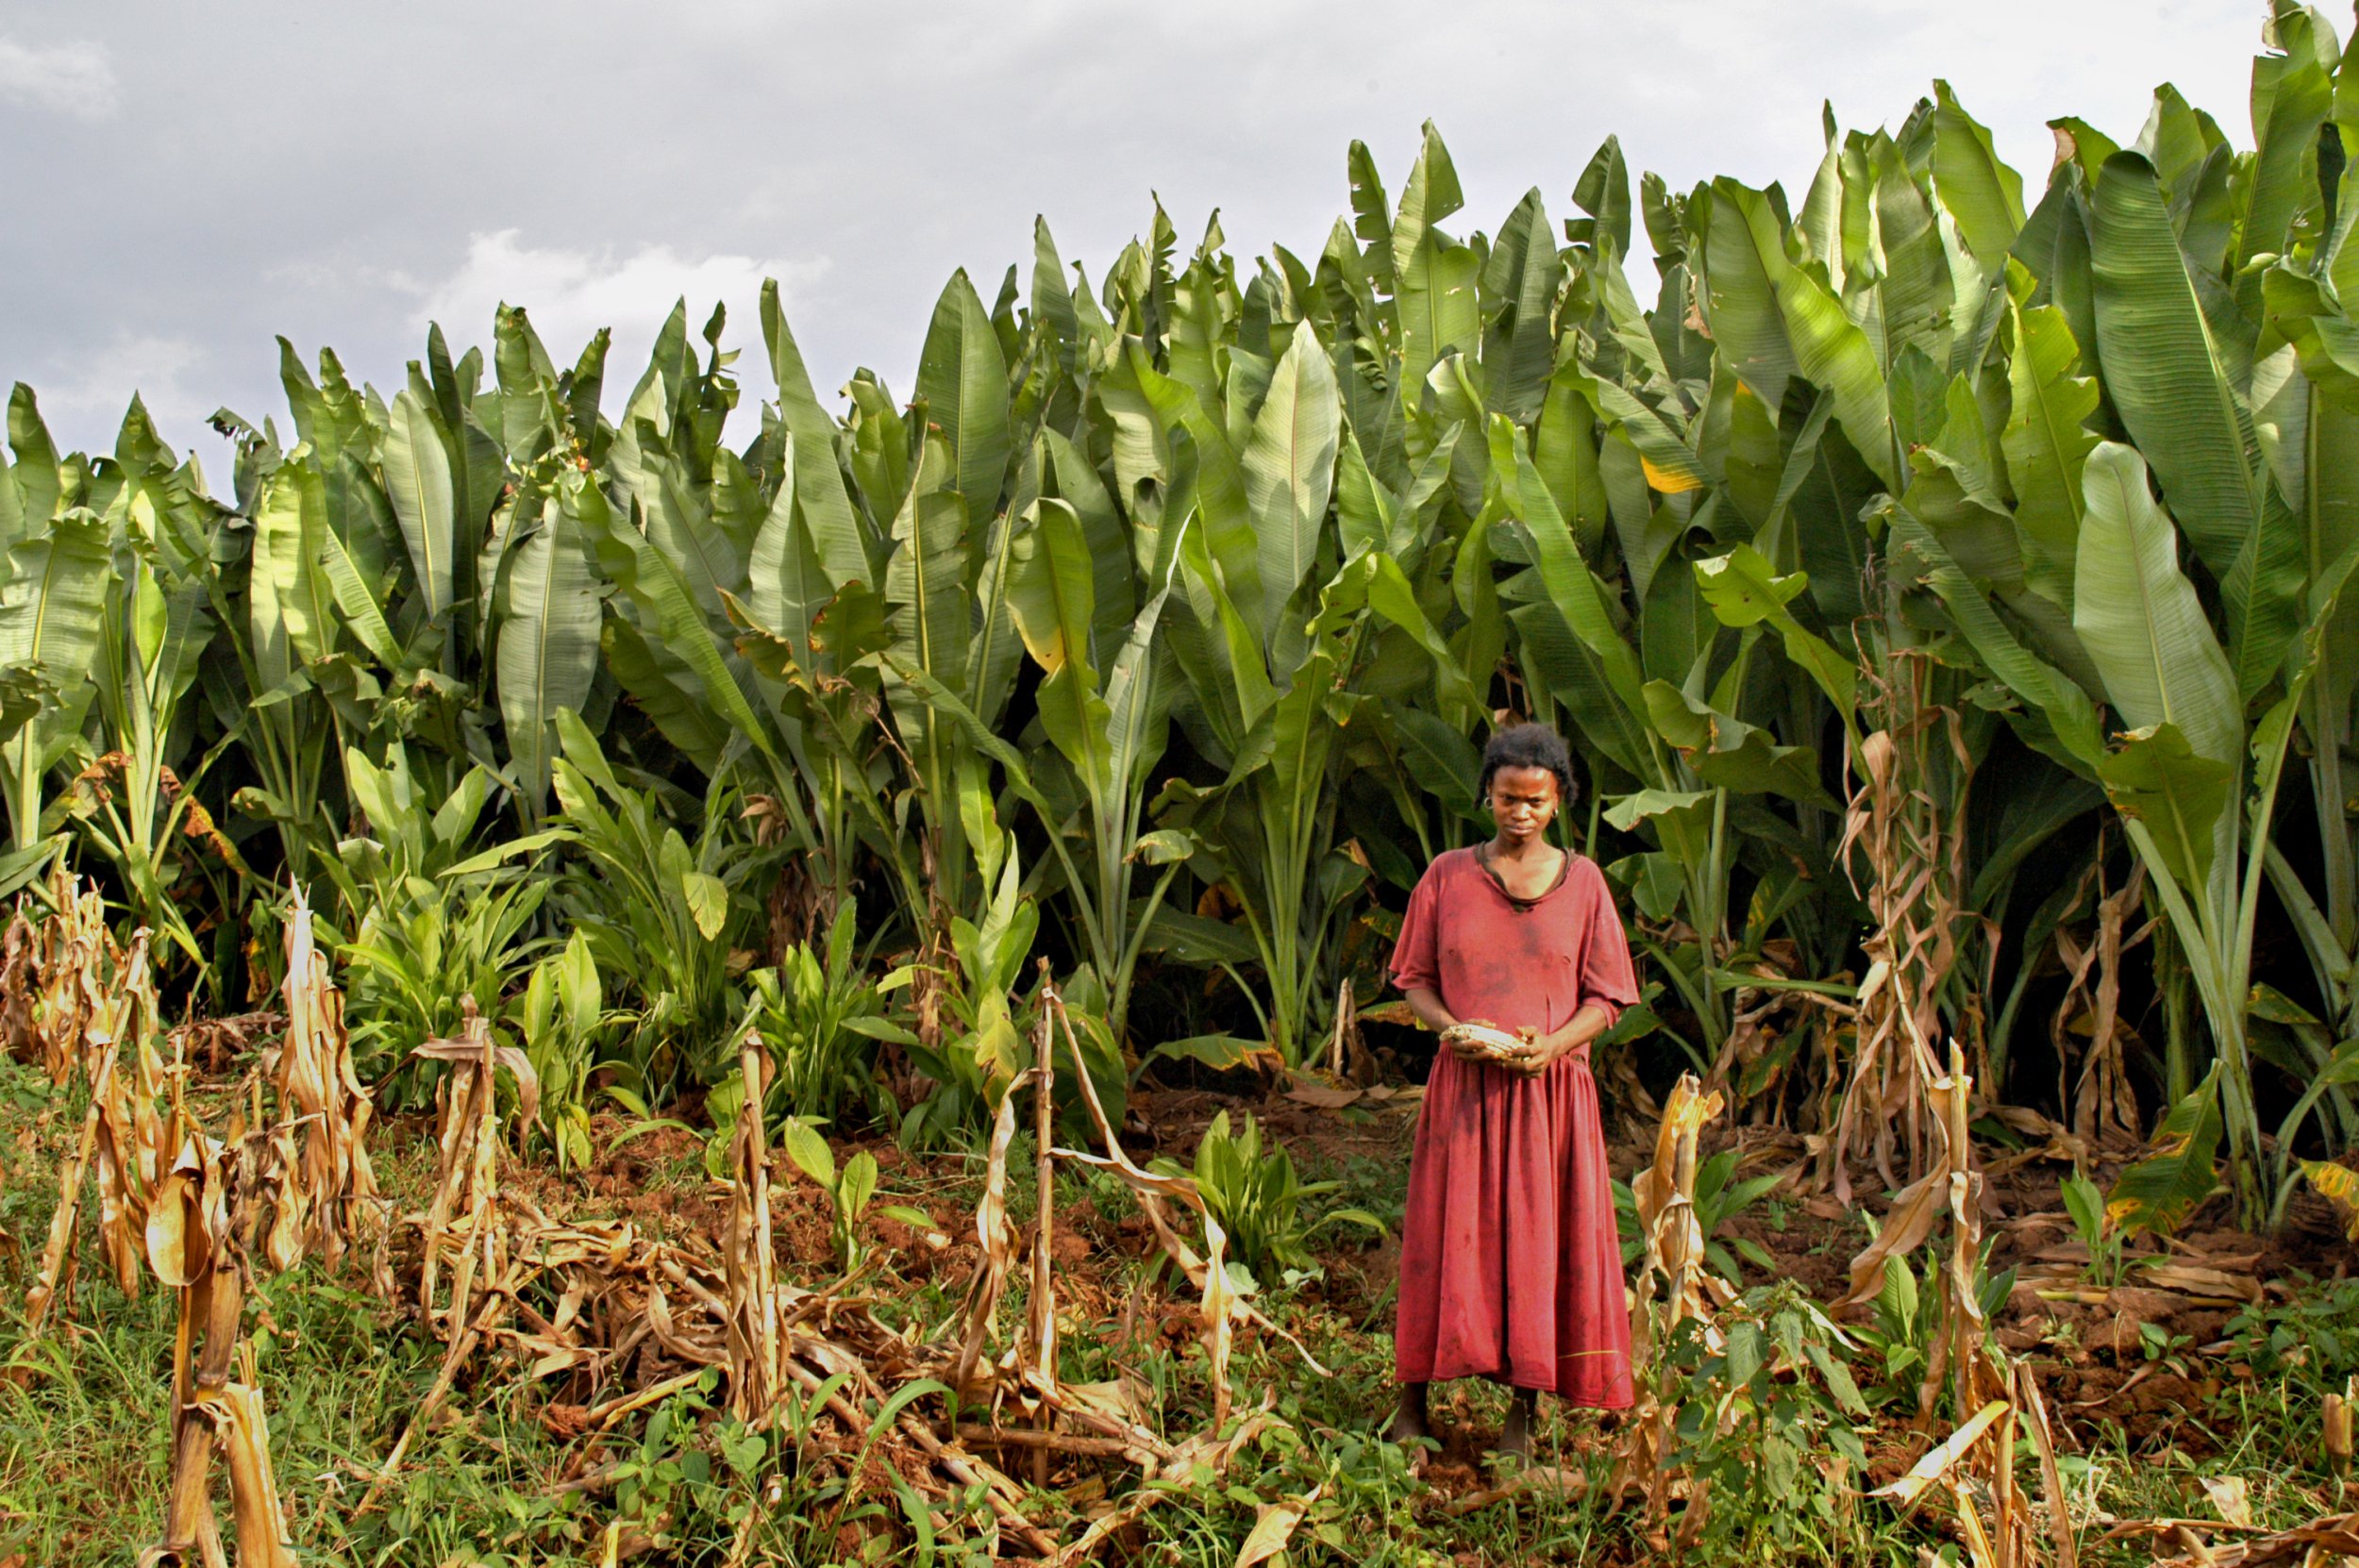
column 1523, row 802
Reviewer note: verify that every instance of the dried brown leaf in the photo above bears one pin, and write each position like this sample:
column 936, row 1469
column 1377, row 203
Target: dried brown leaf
column 1936, row 1464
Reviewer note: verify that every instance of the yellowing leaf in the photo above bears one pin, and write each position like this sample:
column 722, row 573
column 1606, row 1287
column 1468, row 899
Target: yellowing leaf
column 2228, row 1495
column 2340, row 1186
column 1272, row 1528
column 708, row 901
column 2178, row 1171
column 1666, row 481
column 808, row 1151
column 1935, row 1466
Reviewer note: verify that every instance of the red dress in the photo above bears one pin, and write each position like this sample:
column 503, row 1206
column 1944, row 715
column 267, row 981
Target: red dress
column 1510, row 1267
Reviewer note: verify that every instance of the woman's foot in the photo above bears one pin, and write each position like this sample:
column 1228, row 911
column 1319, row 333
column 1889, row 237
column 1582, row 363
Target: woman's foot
column 1515, row 1435
column 1409, row 1425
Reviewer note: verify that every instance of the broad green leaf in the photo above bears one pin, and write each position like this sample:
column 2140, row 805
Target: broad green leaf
column 1916, row 297
column 1223, row 658
column 1745, row 1355
column 1568, row 670
column 1728, row 753
column 810, row 1152
column 1051, row 592
column 1114, row 591
column 418, row 480
column 34, row 476
column 1052, row 296
column 1219, row 1052
column 1138, row 701
column 356, row 600
column 1164, row 846
column 25, row 690
column 2064, row 706
column 2180, row 1169
column 1743, row 590
column 1434, row 278
column 1289, row 467
column 545, row 656
column 836, row 529
column 2165, row 372
column 787, row 584
column 1681, row 819
column 2156, row 778
column 291, row 606
column 2047, row 445
column 1302, row 735
column 1572, row 589
column 1790, row 324
column 1376, row 580
column 1519, row 347
column 682, row 523
column 1656, row 882
column 669, row 692
column 686, row 637
column 2293, row 93
column 52, row 606
column 1225, row 517
column 1676, row 626
column 1743, row 263
column 964, row 380
column 1604, row 192
column 858, row 1185
column 1981, row 193
column 1194, row 940
column 2139, row 618
column 500, row 854
column 1372, row 219
column 1441, row 759
column 926, row 587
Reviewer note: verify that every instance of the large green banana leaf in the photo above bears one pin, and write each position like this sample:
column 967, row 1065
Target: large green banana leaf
column 2180, row 389
column 963, row 377
column 51, row 608
column 418, row 480
column 547, row 654
column 2140, row 619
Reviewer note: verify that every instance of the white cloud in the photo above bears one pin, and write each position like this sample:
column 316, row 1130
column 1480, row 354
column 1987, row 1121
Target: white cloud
column 571, row 294
column 86, row 388
column 103, row 379
column 65, row 79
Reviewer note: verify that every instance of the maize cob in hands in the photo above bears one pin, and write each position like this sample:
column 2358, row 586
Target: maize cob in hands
column 1475, row 1040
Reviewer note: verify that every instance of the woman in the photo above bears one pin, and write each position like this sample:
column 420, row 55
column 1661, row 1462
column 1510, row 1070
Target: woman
column 1509, row 1266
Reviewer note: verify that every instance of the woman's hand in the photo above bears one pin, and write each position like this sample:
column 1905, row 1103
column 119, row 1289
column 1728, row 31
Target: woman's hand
column 1529, row 1056
column 1466, row 1050
column 1540, row 1053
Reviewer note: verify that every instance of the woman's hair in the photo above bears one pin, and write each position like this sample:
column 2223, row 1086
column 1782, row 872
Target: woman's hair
column 1529, row 747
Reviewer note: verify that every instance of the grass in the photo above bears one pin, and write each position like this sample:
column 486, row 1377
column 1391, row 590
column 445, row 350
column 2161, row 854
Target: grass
column 83, row 1460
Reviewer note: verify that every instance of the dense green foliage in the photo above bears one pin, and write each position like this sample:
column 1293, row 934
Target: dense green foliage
column 1158, row 631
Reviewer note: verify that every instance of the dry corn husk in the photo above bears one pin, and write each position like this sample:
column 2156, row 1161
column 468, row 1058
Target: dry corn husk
column 17, row 955
column 1937, row 1463
column 113, row 998
column 1673, row 1270
column 1913, row 847
column 324, row 1191
column 754, row 1332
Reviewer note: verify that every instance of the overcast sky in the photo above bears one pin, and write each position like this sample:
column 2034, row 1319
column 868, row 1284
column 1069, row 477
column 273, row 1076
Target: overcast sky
column 185, row 181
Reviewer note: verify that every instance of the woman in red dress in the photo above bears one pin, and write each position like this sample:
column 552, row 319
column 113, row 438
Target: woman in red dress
column 1509, row 1265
